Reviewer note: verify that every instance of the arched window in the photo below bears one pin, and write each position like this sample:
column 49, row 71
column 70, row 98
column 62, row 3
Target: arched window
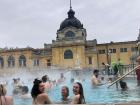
column 22, row 61
column 69, row 34
column 1, row 62
column 68, row 54
column 11, row 61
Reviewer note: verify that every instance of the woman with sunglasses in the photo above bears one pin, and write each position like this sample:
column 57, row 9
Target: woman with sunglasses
column 5, row 100
column 79, row 94
column 38, row 93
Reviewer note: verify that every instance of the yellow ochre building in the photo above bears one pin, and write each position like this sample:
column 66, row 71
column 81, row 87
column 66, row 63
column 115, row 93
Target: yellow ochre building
column 71, row 50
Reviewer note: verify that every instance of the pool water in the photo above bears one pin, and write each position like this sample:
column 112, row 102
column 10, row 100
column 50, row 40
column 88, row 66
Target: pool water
column 102, row 94
column 93, row 94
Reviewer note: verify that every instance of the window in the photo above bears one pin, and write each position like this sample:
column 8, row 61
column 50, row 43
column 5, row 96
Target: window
column 123, row 49
column 89, row 60
column 134, row 49
column 1, row 62
column 48, row 62
column 69, row 34
column 36, row 62
column 112, row 50
column 68, row 54
column 11, row 61
column 22, row 61
column 101, row 51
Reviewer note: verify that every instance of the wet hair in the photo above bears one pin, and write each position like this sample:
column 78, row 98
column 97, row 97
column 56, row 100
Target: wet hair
column 81, row 92
column 103, row 63
column 66, row 89
column 44, row 78
column 96, row 71
column 25, row 89
column 2, row 90
column 35, row 89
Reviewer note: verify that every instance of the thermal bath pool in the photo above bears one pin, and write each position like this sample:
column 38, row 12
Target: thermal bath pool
column 98, row 94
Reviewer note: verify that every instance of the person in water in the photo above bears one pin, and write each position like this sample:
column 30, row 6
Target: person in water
column 95, row 78
column 38, row 94
column 138, row 71
column 24, row 92
column 79, row 94
column 46, row 82
column 61, row 79
column 123, row 85
column 65, row 95
column 5, row 100
column 17, row 86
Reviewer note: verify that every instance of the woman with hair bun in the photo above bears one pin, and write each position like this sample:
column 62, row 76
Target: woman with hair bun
column 38, row 94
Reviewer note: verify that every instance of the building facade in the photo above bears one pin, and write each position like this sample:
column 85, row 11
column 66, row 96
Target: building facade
column 71, row 49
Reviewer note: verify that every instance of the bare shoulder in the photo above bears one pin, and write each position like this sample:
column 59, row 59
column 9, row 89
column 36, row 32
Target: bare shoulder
column 9, row 100
column 45, row 98
column 43, row 95
column 9, row 97
column 93, row 77
column 76, row 97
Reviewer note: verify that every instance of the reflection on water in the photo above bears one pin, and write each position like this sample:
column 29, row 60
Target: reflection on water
column 98, row 94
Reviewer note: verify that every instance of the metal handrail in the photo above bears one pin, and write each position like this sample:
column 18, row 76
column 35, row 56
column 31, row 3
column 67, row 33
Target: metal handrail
column 123, row 76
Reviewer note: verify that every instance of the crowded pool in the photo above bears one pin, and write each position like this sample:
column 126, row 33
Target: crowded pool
column 93, row 94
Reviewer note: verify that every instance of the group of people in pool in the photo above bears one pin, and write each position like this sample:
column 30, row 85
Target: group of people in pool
column 39, row 95
column 19, row 89
column 96, row 81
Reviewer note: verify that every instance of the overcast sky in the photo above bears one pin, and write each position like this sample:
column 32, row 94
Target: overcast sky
column 35, row 22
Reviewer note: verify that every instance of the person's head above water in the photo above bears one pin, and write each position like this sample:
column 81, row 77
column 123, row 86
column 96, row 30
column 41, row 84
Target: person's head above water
column 25, row 89
column 78, row 90
column 64, row 92
column 45, row 78
column 38, row 88
column 96, row 72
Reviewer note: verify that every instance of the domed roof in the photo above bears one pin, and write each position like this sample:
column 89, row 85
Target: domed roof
column 71, row 21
